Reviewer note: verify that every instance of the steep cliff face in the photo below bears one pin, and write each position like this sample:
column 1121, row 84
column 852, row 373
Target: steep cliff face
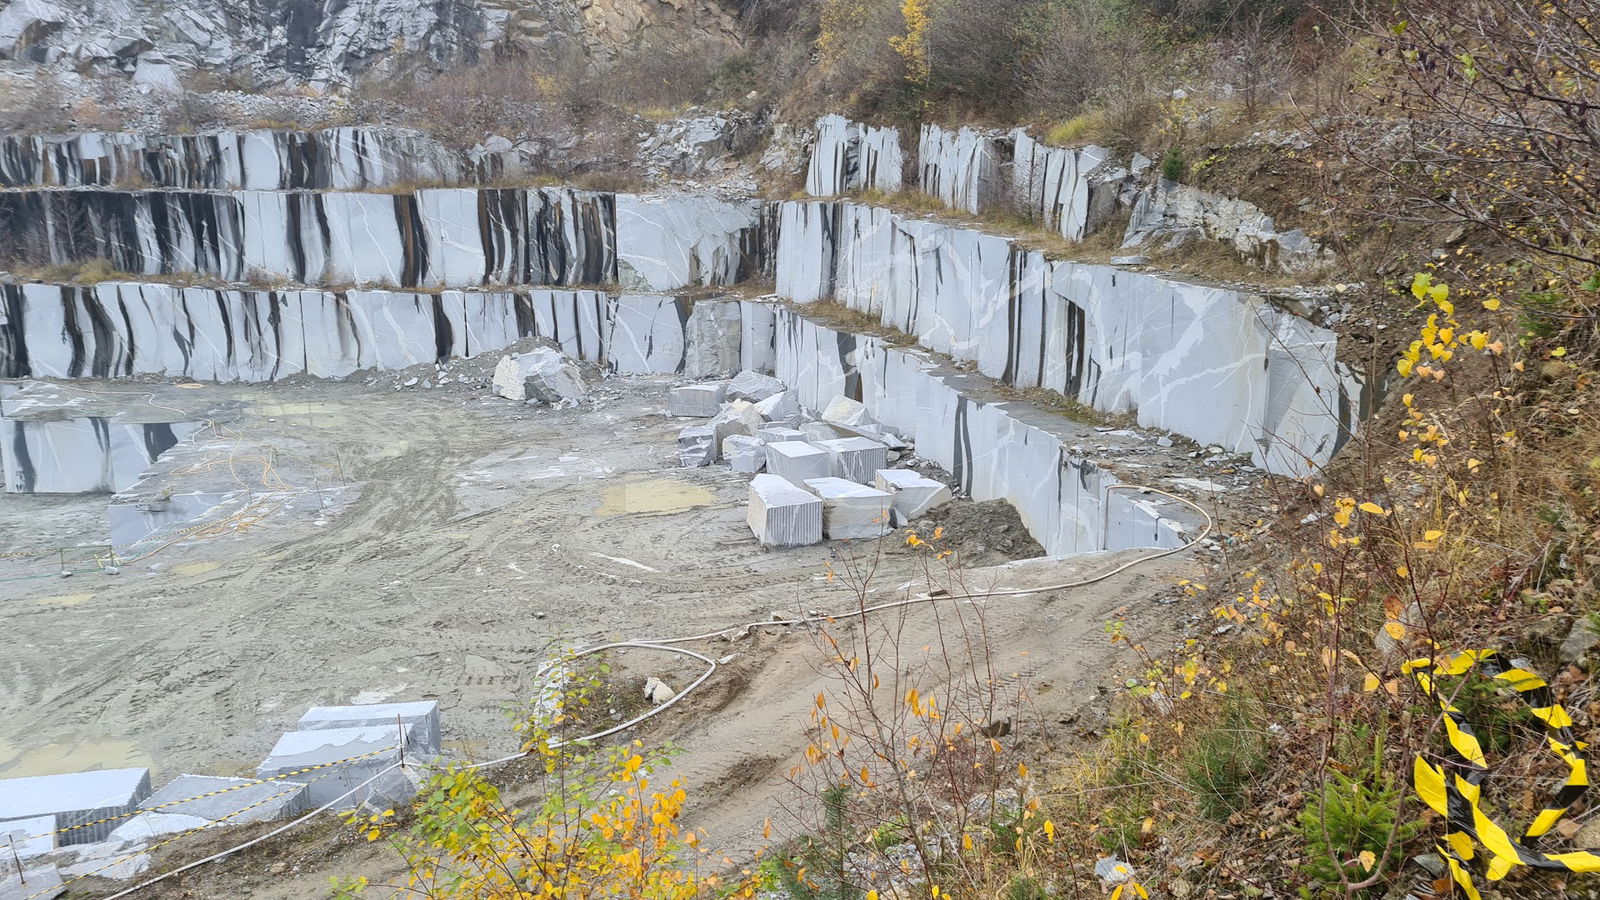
column 328, row 41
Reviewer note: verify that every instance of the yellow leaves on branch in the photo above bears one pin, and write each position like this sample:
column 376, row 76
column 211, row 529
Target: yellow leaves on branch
column 912, row 46
column 1440, row 337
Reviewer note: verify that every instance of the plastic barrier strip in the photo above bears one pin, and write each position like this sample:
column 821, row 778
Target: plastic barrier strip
column 1455, row 795
column 220, row 791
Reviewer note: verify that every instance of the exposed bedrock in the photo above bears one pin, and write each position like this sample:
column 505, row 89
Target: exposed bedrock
column 848, row 156
column 82, row 455
column 1072, row 191
column 1218, row 365
column 446, row 237
column 995, row 451
column 116, row 329
column 963, row 168
column 329, row 159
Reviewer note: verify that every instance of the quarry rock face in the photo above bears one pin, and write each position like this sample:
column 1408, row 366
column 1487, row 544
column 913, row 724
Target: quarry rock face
column 1169, row 211
column 1073, row 191
column 963, row 168
column 848, row 156
column 445, row 237
column 1218, row 365
column 327, row 42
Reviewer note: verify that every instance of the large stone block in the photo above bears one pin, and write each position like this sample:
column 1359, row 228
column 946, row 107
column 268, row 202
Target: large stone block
column 772, row 434
column 744, row 453
column 342, row 760
column 699, row 400
column 754, row 386
column 697, row 446
column 738, row 417
column 712, row 339
column 781, row 408
column 796, row 461
column 36, row 883
column 28, row 837
column 855, row 459
column 75, row 800
column 419, row 717
column 542, row 375
column 850, row 510
column 783, row 515
column 232, row 799
column 914, row 494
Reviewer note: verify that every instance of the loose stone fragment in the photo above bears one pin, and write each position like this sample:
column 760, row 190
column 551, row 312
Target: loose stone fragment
column 744, row 453
column 844, row 411
column 754, row 386
column 543, row 375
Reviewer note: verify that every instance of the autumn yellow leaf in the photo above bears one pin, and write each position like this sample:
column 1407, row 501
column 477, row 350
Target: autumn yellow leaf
column 1368, row 859
column 1370, row 683
column 1373, row 508
column 1491, row 304
column 1395, row 630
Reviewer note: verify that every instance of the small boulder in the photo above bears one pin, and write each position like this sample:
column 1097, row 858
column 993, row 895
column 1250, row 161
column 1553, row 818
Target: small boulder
column 782, row 408
column 738, row 417
column 697, row 446
column 658, row 691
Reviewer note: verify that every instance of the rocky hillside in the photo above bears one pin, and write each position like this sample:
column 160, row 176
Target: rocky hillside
column 259, row 43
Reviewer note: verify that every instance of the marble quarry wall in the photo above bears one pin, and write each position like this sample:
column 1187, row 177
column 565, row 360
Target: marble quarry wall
column 1217, row 365
column 82, row 455
column 849, row 156
column 118, row 329
column 965, row 168
column 340, row 159
column 446, row 237
column 1072, row 191
column 995, row 451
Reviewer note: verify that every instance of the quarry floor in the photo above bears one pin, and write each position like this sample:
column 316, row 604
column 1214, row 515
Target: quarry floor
column 461, row 541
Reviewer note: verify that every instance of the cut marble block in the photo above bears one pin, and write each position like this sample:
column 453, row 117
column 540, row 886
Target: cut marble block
column 233, row 799
column 37, row 883
column 744, row 453
column 844, row 411
column 782, row 408
column 913, row 494
column 421, row 718
column 851, row 510
column 76, row 799
column 783, row 515
column 697, row 446
column 141, row 828
column 297, row 750
column 738, row 417
column 795, row 461
column 700, row 400
column 856, row 459
column 820, row 431
column 542, row 375
column 772, row 434
column 754, row 386
column 29, row 837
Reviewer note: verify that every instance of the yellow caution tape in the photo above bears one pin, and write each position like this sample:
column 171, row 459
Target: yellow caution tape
column 154, row 847
column 219, row 792
column 1454, row 787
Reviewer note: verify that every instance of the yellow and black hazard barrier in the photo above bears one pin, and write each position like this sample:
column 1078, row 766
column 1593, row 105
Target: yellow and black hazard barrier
column 1454, row 788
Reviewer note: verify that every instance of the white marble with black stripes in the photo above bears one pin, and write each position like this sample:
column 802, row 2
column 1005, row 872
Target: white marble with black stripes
column 1219, row 365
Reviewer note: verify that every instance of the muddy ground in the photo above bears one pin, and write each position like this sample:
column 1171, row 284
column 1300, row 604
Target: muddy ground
column 463, row 541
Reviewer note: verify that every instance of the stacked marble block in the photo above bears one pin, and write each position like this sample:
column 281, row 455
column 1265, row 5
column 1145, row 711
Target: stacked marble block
column 348, row 748
column 827, row 478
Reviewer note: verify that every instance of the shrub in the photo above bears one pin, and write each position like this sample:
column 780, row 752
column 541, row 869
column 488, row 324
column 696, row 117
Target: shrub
column 1173, row 165
column 1223, row 761
column 1349, row 829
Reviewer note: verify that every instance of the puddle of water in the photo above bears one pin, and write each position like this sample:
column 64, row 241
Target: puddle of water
column 64, row 758
column 652, row 497
column 66, row 599
column 191, row 569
